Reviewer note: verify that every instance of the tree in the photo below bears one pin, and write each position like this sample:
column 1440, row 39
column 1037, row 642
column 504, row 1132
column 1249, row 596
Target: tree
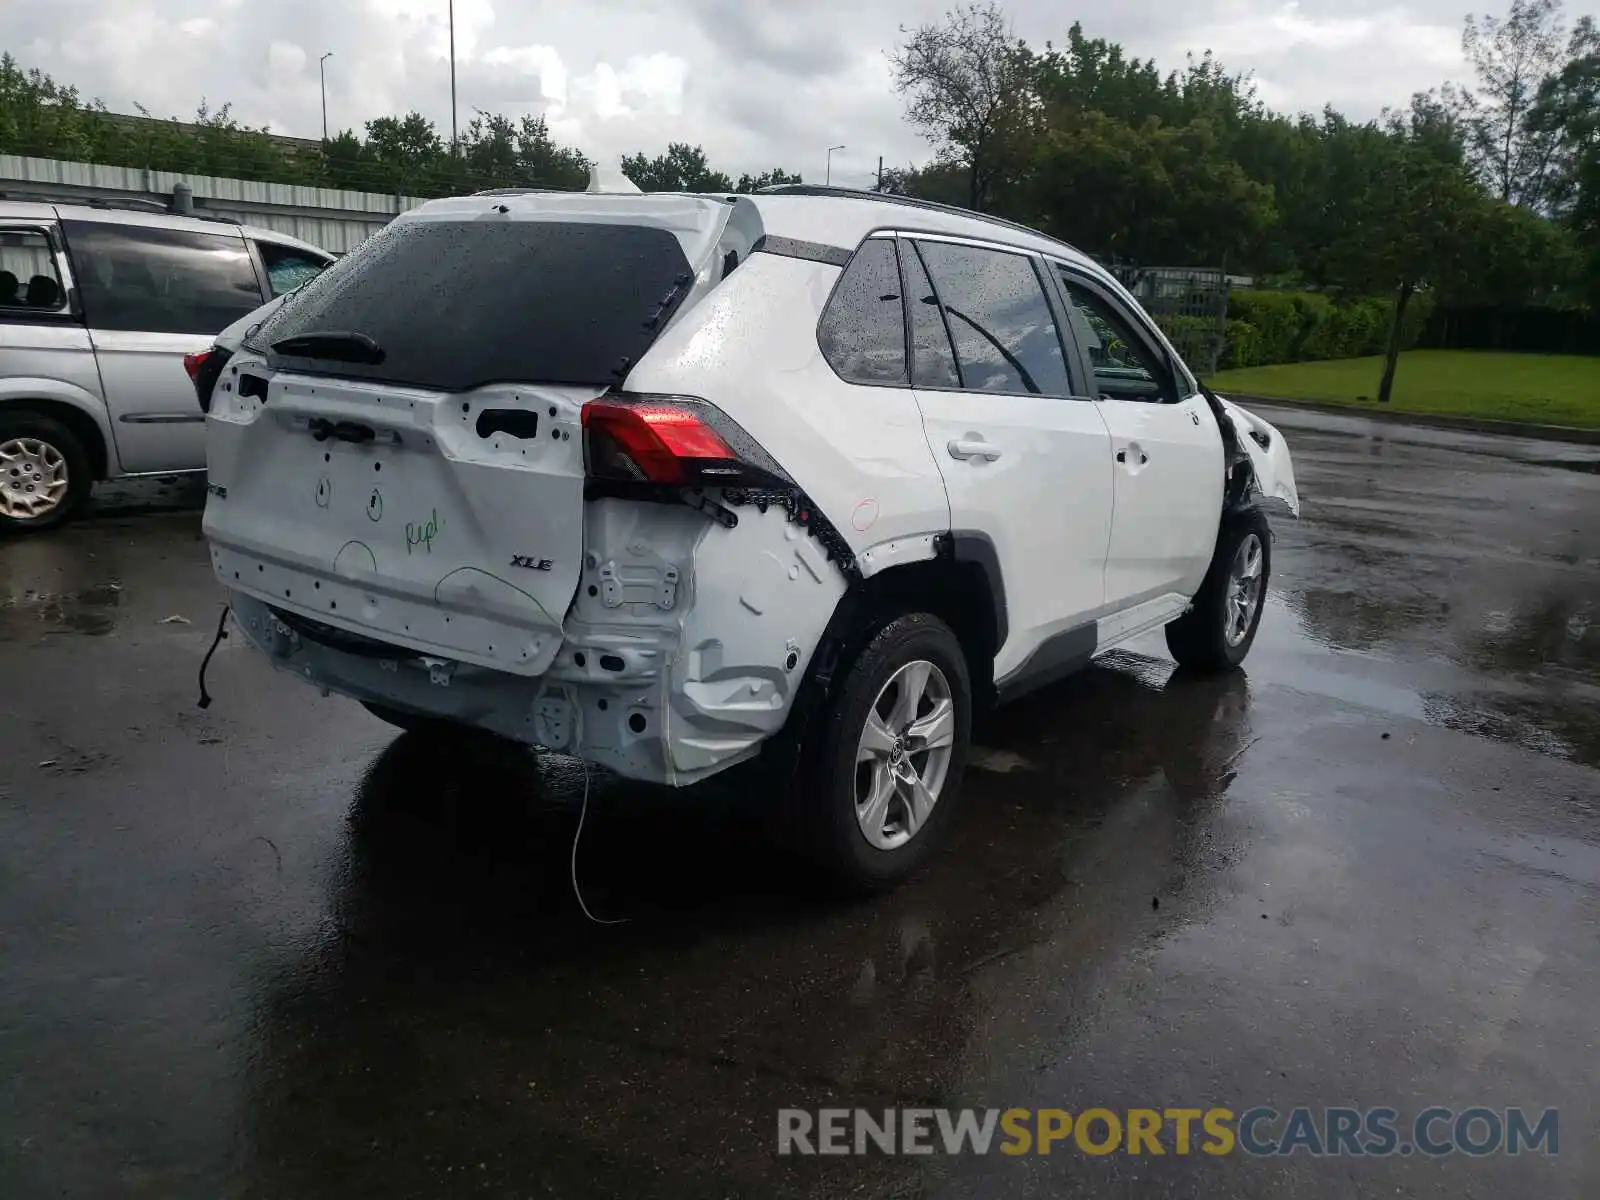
column 968, row 87
column 773, row 178
column 408, row 149
column 683, row 168
column 1513, row 58
column 1400, row 216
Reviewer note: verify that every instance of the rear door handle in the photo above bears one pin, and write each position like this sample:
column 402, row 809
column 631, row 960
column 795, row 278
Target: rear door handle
column 1122, row 457
column 971, row 447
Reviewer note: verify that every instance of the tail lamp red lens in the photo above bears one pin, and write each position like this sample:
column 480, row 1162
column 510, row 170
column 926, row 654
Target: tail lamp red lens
column 653, row 440
column 195, row 363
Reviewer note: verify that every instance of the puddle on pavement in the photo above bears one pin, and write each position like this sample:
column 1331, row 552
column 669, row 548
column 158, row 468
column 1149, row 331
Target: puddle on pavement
column 91, row 611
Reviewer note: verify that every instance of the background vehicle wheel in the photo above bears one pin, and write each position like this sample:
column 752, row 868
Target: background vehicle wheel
column 44, row 472
column 1220, row 626
column 886, row 760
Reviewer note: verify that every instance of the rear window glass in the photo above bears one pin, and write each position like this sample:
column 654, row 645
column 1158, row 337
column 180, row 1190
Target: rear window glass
column 458, row 304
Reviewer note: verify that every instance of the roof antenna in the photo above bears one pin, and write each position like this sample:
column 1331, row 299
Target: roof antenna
column 607, row 179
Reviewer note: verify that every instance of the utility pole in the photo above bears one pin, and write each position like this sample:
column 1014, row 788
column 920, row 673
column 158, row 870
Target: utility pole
column 827, row 179
column 455, row 145
column 880, row 172
column 322, row 66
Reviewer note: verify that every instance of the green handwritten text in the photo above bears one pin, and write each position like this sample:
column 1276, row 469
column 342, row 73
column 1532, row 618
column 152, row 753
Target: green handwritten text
column 422, row 534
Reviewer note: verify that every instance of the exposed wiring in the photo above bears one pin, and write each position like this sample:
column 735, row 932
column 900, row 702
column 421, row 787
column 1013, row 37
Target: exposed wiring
column 576, row 838
column 222, row 632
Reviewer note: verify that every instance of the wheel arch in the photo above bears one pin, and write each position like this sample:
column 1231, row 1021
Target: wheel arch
column 77, row 417
column 960, row 584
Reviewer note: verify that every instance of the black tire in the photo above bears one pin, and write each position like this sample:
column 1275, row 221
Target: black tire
column 62, row 443
column 416, row 723
column 825, row 790
column 1200, row 639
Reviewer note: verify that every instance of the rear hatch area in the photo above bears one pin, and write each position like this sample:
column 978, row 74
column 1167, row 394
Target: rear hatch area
column 447, row 525
column 395, row 455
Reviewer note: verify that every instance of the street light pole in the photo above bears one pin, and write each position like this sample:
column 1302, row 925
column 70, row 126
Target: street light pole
column 827, row 178
column 454, row 142
column 322, row 67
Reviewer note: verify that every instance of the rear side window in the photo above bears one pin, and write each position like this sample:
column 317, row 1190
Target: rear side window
column 288, row 268
column 999, row 319
column 454, row 305
column 863, row 331
column 28, row 278
column 133, row 277
column 933, row 363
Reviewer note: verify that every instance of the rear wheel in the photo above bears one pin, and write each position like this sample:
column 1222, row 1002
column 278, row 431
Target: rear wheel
column 414, row 722
column 44, row 472
column 886, row 761
column 1220, row 626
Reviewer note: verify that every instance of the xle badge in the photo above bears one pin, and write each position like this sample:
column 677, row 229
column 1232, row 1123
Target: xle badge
column 528, row 562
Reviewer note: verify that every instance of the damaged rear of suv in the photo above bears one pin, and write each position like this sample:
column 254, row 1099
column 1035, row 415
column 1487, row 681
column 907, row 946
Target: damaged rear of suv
column 652, row 480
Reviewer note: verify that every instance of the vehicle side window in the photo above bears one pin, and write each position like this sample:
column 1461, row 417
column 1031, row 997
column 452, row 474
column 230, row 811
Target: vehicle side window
column 1124, row 368
column 29, row 281
column 1000, row 321
column 933, row 362
column 287, row 267
column 152, row 280
column 863, row 331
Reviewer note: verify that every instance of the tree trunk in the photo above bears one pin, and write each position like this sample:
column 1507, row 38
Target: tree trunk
column 1391, row 360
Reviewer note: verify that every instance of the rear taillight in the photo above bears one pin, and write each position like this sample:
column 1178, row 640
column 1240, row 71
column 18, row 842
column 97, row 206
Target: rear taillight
column 204, row 369
column 673, row 440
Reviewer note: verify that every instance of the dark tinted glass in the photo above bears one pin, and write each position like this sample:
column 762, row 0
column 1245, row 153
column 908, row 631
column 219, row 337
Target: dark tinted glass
column 863, row 333
column 1123, row 366
column 933, row 363
column 161, row 280
column 999, row 319
column 288, row 268
column 459, row 304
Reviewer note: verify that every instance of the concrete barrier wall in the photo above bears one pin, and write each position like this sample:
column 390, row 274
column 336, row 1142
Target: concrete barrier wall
column 336, row 220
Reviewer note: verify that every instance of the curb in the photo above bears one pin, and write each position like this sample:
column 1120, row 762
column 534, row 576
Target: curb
column 1520, row 429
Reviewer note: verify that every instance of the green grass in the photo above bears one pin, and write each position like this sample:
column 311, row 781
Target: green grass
column 1546, row 388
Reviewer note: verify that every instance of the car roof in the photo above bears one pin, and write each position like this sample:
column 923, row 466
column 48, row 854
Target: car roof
column 838, row 217
column 843, row 216
column 27, row 210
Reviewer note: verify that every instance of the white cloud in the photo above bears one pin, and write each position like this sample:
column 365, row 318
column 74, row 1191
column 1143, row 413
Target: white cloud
column 758, row 83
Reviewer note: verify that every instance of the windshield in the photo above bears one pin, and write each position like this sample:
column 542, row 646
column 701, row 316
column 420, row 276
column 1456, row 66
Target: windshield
column 453, row 305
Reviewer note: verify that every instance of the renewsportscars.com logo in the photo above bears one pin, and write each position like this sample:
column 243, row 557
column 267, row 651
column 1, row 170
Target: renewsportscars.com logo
column 1261, row 1132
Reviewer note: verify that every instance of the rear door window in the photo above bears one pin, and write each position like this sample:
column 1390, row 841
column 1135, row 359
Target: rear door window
column 863, row 331
column 29, row 282
column 453, row 305
column 152, row 280
column 1000, row 321
column 288, row 267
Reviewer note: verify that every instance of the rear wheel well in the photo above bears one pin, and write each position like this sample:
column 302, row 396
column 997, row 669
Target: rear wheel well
column 956, row 592
column 80, row 423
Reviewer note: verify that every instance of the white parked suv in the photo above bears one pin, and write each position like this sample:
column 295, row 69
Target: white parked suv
column 663, row 481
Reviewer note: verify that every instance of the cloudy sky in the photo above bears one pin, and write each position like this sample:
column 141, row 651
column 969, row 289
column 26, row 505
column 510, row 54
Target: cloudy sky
column 758, row 82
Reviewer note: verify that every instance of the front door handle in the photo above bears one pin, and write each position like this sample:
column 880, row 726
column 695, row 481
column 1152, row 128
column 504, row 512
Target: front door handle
column 972, row 447
column 1122, row 457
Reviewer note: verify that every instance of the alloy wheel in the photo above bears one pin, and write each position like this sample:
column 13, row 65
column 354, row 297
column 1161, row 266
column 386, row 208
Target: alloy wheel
column 903, row 756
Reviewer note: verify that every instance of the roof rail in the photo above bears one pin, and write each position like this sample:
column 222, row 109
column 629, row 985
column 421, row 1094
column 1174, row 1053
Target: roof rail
column 838, row 193
column 218, row 217
column 126, row 203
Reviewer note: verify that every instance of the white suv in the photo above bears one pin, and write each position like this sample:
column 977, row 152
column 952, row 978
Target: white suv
column 662, row 480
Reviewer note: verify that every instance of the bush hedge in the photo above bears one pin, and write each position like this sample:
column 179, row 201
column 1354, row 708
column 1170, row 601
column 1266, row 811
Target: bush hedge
column 1263, row 328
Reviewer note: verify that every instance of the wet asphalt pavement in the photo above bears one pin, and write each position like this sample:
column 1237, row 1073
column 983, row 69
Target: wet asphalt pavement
column 270, row 950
